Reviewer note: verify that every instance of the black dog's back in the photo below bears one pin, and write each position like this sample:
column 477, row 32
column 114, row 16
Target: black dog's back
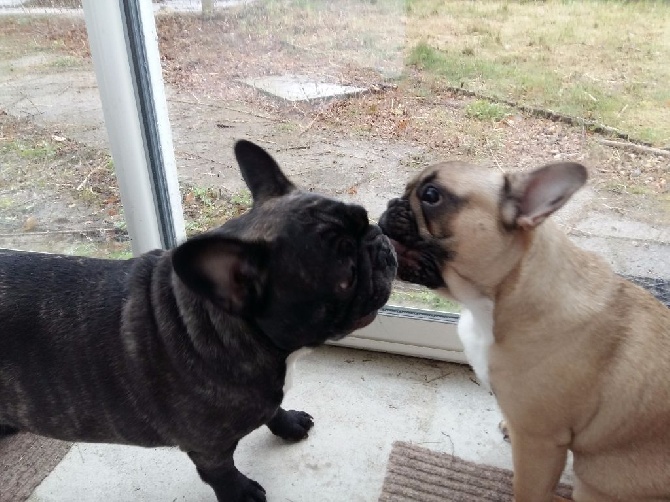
column 65, row 292
column 77, row 303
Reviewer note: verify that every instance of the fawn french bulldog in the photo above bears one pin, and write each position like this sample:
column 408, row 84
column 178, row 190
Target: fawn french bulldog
column 578, row 358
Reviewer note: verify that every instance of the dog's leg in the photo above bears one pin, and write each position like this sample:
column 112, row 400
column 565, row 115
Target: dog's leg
column 291, row 425
column 538, row 464
column 229, row 484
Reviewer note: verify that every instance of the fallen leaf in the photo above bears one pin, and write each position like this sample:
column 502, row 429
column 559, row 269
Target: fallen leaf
column 30, row 224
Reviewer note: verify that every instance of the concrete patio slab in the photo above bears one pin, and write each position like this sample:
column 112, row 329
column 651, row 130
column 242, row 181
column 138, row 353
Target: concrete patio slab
column 361, row 403
column 301, row 87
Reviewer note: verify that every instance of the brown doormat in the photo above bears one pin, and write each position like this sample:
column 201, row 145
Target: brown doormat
column 417, row 474
column 25, row 460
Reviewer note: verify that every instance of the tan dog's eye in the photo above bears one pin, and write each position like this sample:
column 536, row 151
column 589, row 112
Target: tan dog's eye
column 430, row 195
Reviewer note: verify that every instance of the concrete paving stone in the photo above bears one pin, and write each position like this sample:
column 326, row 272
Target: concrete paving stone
column 300, row 87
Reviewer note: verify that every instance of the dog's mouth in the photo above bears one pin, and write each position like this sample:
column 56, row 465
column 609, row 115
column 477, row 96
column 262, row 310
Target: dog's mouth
column 420, row 263
column 365, row 320
column 401, row 250
column 360, row 323
column 419, row 260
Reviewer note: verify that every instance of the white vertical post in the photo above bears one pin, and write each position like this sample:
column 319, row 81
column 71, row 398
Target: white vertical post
column 141, row 142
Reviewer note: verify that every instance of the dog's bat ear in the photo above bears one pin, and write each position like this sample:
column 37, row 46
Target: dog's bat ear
column 230, row 273
column 260, row 172
column 529, row 198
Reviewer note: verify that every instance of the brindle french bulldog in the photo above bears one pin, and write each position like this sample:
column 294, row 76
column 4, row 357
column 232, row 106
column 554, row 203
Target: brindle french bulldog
column 188, row 347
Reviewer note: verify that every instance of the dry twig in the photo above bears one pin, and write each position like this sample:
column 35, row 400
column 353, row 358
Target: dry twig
column 635, row 147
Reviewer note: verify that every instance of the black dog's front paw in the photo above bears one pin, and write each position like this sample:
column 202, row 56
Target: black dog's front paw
column 233, row 486
column 291, row 425
column 248, row 490
column 238, row 489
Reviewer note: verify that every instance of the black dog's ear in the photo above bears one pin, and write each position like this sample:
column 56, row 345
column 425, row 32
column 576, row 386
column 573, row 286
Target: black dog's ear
column 229, row 272
column 260, row 172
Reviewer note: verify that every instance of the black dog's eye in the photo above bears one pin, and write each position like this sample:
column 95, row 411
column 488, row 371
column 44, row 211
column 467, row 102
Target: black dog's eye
column 350, row 280
column 346, row 247
column 430, row 195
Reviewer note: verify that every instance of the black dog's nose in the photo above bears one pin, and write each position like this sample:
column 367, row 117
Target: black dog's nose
column 380, row 247
column 380, row 244
column 373, row 232
column 391, row 258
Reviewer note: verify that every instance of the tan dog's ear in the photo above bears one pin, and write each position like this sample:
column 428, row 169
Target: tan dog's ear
column 528, row 198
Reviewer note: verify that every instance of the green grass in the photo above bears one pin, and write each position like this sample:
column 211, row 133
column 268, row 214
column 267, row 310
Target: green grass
column 286, row 127
column 120, row 255
column 423, row 299
column 38, row 150
column 66, row 62
column 600, row 60
column 627, row 188
column 114, row 251
column 509, row 79
column 205, row 196
column 242, row 198
column 206, row 207
column 486, row 110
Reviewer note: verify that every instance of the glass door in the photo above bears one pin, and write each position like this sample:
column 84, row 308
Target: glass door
column 356, row 97
column 58, row 190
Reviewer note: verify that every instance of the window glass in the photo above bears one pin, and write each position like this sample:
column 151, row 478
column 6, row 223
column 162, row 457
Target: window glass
column 511, row 85
column 58, row 192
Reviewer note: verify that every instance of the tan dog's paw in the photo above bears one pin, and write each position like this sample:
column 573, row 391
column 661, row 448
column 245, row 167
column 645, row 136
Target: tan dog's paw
column 505, row 431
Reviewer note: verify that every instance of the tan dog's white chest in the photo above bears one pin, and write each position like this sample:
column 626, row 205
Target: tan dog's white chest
column 475, row 329
column 290, row 366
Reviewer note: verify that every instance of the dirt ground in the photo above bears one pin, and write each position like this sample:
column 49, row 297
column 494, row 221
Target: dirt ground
column 57, row 176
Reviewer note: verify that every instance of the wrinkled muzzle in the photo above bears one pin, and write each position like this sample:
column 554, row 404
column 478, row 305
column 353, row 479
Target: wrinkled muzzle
column 378, row 265
column 419, row 260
